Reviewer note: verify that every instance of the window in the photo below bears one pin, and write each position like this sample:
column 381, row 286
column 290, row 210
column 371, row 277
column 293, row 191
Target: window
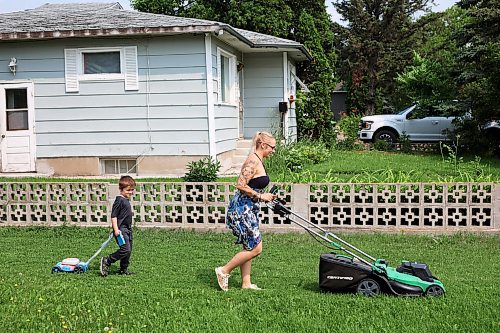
column 101, row 62
column 224, row 80
column 226, row 64
column 16, row 109
column 118, row 166
column 91, row 64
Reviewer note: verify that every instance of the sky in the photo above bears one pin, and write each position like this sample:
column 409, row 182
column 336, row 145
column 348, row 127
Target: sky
column 7, row 6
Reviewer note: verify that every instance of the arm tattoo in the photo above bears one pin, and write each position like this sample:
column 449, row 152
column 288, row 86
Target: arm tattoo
column 248, row 170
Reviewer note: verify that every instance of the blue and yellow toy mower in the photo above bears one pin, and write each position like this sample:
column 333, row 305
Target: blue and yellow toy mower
column 74, row 265
column 359, row 272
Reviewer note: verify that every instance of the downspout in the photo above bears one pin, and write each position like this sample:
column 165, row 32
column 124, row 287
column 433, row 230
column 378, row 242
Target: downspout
column 210, row 96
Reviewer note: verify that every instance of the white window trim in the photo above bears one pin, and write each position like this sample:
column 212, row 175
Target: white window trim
column 233, row 98
column 73, row 59
column 102, row 76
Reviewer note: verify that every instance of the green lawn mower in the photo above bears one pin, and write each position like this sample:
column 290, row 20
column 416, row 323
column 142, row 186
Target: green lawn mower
column 356, row 271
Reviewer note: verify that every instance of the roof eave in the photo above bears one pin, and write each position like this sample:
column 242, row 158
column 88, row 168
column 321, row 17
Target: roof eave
column 253, row 45
column 13, row 36
column 143, row 31
column 301, row 48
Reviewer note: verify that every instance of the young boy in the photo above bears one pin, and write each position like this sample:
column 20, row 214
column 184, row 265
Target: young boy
column 121, row 220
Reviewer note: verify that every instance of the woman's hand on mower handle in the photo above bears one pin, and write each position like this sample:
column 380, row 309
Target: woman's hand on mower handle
column 116, row 232
column 267, row 197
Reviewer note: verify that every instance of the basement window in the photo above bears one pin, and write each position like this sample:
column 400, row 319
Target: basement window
column 118, row 166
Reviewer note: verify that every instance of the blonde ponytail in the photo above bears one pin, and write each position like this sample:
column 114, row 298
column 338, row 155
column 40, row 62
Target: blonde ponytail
column 258, row 138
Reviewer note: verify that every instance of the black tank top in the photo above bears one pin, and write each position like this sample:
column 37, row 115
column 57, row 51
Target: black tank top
column 259, row 183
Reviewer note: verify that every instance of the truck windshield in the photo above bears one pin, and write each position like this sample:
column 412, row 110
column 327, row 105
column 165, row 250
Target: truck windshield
column 405, row 109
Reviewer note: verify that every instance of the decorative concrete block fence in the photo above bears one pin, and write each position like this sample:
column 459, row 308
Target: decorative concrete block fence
column 383, row 207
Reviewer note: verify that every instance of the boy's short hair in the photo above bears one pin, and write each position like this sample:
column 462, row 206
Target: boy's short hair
column 126, row 181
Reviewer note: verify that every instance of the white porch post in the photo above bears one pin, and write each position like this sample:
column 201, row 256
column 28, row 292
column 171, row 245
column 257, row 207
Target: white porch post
column 210, row 96
column 285, row 96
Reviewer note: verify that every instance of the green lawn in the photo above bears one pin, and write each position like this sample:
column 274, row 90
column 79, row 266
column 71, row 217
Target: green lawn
column 388, row 167
column 354, row 167
column 175, row 289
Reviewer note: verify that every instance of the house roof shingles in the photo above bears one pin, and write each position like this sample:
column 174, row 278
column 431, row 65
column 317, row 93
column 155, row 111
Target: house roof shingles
column 110, row 19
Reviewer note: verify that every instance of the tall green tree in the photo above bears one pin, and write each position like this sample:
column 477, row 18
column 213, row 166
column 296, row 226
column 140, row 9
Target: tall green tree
column 429, row 79
column 314, row 116
column 478, row 58
column 375, row 45
column 271, row 17
column 304, row 21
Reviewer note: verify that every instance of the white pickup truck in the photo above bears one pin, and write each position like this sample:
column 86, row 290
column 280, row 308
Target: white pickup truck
column 390, row 127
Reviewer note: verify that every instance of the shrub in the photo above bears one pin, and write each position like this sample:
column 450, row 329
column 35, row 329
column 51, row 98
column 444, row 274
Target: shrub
column 405, row 143
column 204, row 170
column 348, row 127
column 382, row 145
column 297, row 155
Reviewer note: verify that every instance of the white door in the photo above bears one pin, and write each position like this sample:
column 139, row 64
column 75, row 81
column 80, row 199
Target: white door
column 17, row 139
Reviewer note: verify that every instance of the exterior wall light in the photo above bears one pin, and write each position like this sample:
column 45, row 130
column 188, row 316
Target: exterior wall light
column 13, row 65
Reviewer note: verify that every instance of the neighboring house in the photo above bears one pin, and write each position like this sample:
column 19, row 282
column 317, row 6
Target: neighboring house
column 91, row 89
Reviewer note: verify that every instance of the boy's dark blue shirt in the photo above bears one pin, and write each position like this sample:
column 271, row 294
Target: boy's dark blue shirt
column 123, row 212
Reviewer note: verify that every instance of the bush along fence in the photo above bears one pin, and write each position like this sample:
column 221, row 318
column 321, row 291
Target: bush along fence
column 384, row 207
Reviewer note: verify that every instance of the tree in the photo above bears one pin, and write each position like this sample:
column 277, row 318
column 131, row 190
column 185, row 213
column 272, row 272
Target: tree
column 477, row 71
column 429, row 81
column 271, row 17
column 478, row 58
column 314, row 116
column 375, row 46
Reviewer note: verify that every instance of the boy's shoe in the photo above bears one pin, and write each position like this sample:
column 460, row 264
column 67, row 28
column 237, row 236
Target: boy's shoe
column 222, row 279
column 125, row 272
column 104, row 266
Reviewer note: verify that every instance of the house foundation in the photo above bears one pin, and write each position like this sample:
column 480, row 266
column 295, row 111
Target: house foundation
column 146, row 166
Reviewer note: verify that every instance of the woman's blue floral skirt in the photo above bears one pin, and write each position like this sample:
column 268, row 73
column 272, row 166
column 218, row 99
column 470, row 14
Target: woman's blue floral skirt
column 243, row 219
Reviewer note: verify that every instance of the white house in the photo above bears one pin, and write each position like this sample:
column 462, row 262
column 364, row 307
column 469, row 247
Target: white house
column 92, row 89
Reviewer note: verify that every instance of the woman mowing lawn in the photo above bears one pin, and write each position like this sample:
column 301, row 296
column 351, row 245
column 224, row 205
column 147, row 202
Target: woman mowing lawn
column 243, row 213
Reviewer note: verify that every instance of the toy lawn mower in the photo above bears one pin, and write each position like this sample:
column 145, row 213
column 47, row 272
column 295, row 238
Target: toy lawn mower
column 74, row 265
column 359, row 272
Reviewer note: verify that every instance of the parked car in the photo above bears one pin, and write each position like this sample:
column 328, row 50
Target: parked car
column 491, row 130
column 419, row 125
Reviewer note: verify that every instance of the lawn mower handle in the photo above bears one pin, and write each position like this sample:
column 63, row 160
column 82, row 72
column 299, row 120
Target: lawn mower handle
column 111, row 235
column 278, row 207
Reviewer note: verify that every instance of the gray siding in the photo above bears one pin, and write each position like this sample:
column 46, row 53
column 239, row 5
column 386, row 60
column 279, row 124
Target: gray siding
column 226, row 116
column 102, row 119
column 226, row 127
column 263, row 81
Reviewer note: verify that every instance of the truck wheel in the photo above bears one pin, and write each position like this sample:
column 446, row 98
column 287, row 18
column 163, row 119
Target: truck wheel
column 55, row 269
column 368, row 287
column 385, row 135
column 434, row 290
